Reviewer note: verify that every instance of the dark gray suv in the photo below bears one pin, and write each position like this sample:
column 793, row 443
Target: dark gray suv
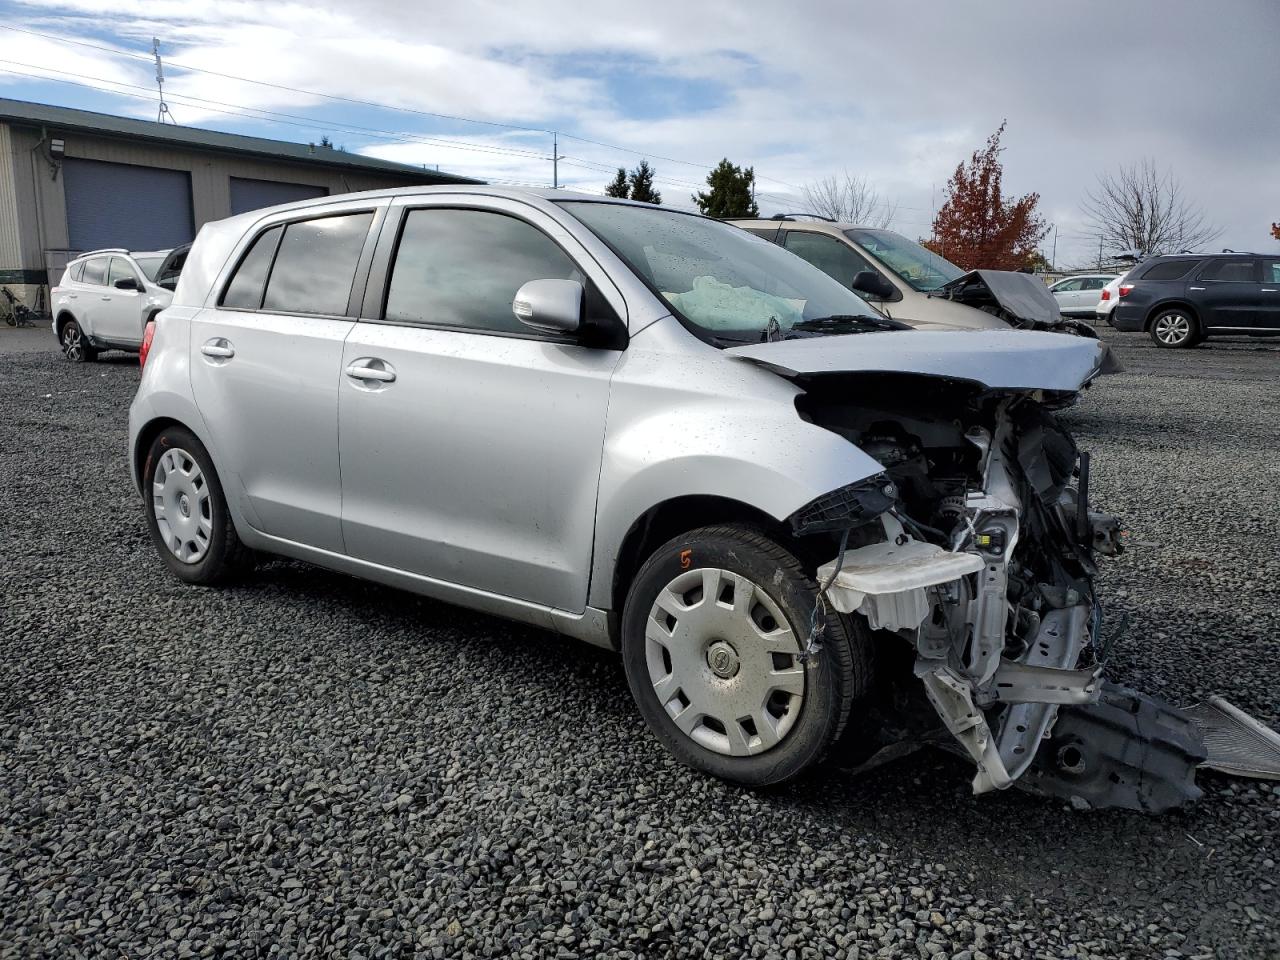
column 1182, row 300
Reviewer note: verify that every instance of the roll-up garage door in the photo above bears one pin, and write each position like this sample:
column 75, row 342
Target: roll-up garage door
column 249, row 194
column 124, row 205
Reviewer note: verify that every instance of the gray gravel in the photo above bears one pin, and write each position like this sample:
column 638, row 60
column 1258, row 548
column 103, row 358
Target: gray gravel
column 306, row 765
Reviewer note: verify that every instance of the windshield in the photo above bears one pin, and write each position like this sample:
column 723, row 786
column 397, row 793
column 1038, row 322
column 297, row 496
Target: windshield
column 732, row 286
column 921, row 268
column 149, row 265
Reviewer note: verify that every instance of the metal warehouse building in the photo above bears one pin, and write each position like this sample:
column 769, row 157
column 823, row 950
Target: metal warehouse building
column 72, row 181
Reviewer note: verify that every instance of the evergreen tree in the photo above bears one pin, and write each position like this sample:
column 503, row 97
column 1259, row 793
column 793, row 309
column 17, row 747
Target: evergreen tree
column 618, row 187
column 641, row 182
column 730, row 193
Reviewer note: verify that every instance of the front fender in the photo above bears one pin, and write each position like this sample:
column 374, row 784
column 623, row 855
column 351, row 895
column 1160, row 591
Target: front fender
column 735, row 434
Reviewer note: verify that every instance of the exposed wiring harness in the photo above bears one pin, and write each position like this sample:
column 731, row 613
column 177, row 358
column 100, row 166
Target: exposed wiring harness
column 818, row 620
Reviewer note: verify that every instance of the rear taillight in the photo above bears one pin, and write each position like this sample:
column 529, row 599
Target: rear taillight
column 147, row 335
column 1106, row 294
column 1125, row 288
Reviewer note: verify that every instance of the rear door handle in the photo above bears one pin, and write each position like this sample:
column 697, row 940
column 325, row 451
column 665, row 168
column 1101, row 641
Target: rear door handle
column 219, row 348
column 360, row 370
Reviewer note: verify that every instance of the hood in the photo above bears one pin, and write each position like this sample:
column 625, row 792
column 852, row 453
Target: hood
column 1018, row 294
column 996, row 359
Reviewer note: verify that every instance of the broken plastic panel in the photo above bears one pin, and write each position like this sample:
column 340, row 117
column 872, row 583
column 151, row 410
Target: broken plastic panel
column 1235, row 742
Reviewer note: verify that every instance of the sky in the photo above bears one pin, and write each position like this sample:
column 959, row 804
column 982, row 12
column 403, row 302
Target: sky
column 898, row 93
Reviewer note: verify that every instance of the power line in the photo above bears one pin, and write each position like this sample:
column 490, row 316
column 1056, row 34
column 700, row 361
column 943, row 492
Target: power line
column 372, row 103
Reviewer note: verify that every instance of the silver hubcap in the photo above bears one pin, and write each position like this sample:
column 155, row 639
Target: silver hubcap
column 723, row 662
column 184, row 509
column 1173, row 328
column 72, row 344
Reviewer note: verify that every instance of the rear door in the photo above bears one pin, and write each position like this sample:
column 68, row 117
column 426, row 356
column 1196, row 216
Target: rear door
column 472, row 455
column 266, row 357
column 1228, row 293
column 1068, row 294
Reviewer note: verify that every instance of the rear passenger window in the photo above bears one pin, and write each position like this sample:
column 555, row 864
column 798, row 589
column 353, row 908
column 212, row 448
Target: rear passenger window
column 462, row 268
column 1227, row 270
column 244, row 292
column 316, row 264
column 1170, row 269
column 95, row 270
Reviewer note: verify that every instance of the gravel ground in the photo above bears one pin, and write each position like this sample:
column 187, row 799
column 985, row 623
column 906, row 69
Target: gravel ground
column 307, row 765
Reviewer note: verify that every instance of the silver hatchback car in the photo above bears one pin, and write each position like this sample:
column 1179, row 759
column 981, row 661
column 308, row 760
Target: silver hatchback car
column 654, row 432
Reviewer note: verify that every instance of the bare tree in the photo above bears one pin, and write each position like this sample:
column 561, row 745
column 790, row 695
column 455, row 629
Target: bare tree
column 850, row 200
column 1141, row 208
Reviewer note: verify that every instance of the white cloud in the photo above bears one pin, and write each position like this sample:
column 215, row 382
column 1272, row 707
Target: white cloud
column 899, row 93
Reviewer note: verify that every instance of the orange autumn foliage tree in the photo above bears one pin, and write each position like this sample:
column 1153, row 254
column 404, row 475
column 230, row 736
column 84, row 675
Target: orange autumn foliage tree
column 976, row 228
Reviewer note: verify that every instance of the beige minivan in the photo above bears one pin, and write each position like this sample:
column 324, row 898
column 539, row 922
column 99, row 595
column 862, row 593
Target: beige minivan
column 895, row 274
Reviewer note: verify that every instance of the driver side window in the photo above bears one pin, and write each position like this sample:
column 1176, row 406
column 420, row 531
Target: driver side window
column 828, row 254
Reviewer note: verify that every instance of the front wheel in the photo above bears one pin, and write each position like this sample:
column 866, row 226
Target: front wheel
column 186, row 511
column 75, row 345
column 712, row 632
column 1175, row 328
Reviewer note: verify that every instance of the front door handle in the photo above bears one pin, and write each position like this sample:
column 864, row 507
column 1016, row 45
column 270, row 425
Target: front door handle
column 1269, row 290
column 108, row 299
column 218, row 348
column 1195, row 288
column 360, row 370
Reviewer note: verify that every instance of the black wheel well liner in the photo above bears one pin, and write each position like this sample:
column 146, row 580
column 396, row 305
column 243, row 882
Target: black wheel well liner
column 61, row 321
column 670, row 518
column 145, row 438
column 1166, row 305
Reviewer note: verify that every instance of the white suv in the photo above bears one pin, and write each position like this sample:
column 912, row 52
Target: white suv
column 103, row 302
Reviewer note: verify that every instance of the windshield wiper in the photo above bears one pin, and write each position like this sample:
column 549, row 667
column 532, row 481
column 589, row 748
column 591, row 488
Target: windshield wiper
column 843, row 323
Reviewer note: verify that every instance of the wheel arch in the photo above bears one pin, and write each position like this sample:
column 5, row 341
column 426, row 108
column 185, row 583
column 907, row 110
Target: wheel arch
column 666, row 520
column 61, row 319
column 1168, row 305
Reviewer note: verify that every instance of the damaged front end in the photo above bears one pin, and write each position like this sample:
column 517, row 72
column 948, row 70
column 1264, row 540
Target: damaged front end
column 1017, row 298
column 977, row 547
column 974, row 555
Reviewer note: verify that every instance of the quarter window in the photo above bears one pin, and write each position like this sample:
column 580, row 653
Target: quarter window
column 316, row 264
column 1228, row 270
column 829, row 255
column 462, row 268
column 95, row 270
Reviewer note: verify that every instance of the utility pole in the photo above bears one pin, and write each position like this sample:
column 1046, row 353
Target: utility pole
column 164, row 110
column 555, row 160
column 1053, row 259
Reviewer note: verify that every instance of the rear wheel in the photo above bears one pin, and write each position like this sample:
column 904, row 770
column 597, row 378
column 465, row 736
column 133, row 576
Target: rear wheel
column 712, row 632
column 186, row 511
column 75, row 345
column 1175, row 328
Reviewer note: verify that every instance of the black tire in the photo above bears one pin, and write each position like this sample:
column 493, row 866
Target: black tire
column 224, row 557
column 839, row 675
column 75, row 345
column 1175, row 328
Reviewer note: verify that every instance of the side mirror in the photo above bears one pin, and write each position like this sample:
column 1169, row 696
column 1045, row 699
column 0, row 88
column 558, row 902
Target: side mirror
column 873, row 285
column 549, row 306
column 126, row 283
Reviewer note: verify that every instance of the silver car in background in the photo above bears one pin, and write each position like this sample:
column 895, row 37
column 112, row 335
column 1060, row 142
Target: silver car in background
column 793, row 517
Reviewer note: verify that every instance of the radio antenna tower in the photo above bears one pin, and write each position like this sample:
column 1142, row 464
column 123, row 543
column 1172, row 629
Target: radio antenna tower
column 164, row 111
